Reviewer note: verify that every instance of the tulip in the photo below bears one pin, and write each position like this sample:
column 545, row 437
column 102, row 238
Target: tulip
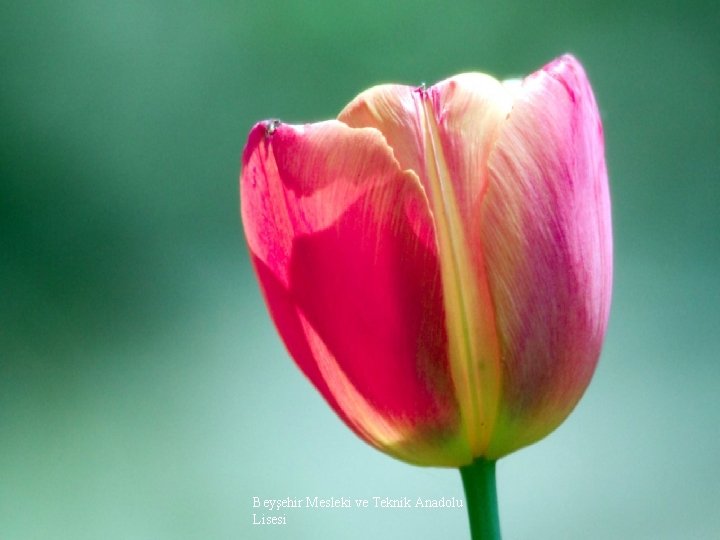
column 438, row 261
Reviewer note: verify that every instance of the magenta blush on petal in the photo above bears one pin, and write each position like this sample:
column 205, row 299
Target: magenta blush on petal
column 548, row 240
column 350, row 271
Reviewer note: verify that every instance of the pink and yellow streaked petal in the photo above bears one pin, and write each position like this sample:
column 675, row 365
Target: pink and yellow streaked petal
column 391, row 109
column 445, row 134
column 546, row 232
column 469, row 109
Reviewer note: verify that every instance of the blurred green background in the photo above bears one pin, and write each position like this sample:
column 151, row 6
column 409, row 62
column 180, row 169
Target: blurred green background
column 144, row 393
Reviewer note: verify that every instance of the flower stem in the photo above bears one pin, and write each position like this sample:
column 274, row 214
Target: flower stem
column 481, row 496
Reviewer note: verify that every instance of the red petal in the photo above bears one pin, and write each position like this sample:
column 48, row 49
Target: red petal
column 344, row 247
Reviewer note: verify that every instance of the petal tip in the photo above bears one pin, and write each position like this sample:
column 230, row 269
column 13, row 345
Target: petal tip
column 569, row 73
column 566, row 69
column 562, row 63
column 259, row 132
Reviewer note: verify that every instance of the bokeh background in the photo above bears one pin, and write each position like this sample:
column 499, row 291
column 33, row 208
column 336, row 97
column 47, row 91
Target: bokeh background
column 144, row 393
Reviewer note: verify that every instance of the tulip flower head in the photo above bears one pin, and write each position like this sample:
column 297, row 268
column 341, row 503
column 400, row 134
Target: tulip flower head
column 438, row 261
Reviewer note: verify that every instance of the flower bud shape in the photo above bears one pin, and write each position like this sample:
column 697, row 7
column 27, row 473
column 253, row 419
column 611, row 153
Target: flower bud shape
column 438, row 261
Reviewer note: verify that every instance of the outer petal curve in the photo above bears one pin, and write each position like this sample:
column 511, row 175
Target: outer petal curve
column 343, row 244
column 546, row 229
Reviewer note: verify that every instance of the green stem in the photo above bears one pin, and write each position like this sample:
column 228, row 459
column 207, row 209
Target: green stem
column 481, row 497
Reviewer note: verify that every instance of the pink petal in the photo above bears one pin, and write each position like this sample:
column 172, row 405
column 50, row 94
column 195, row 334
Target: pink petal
column 344, row 247
column 546, row 232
